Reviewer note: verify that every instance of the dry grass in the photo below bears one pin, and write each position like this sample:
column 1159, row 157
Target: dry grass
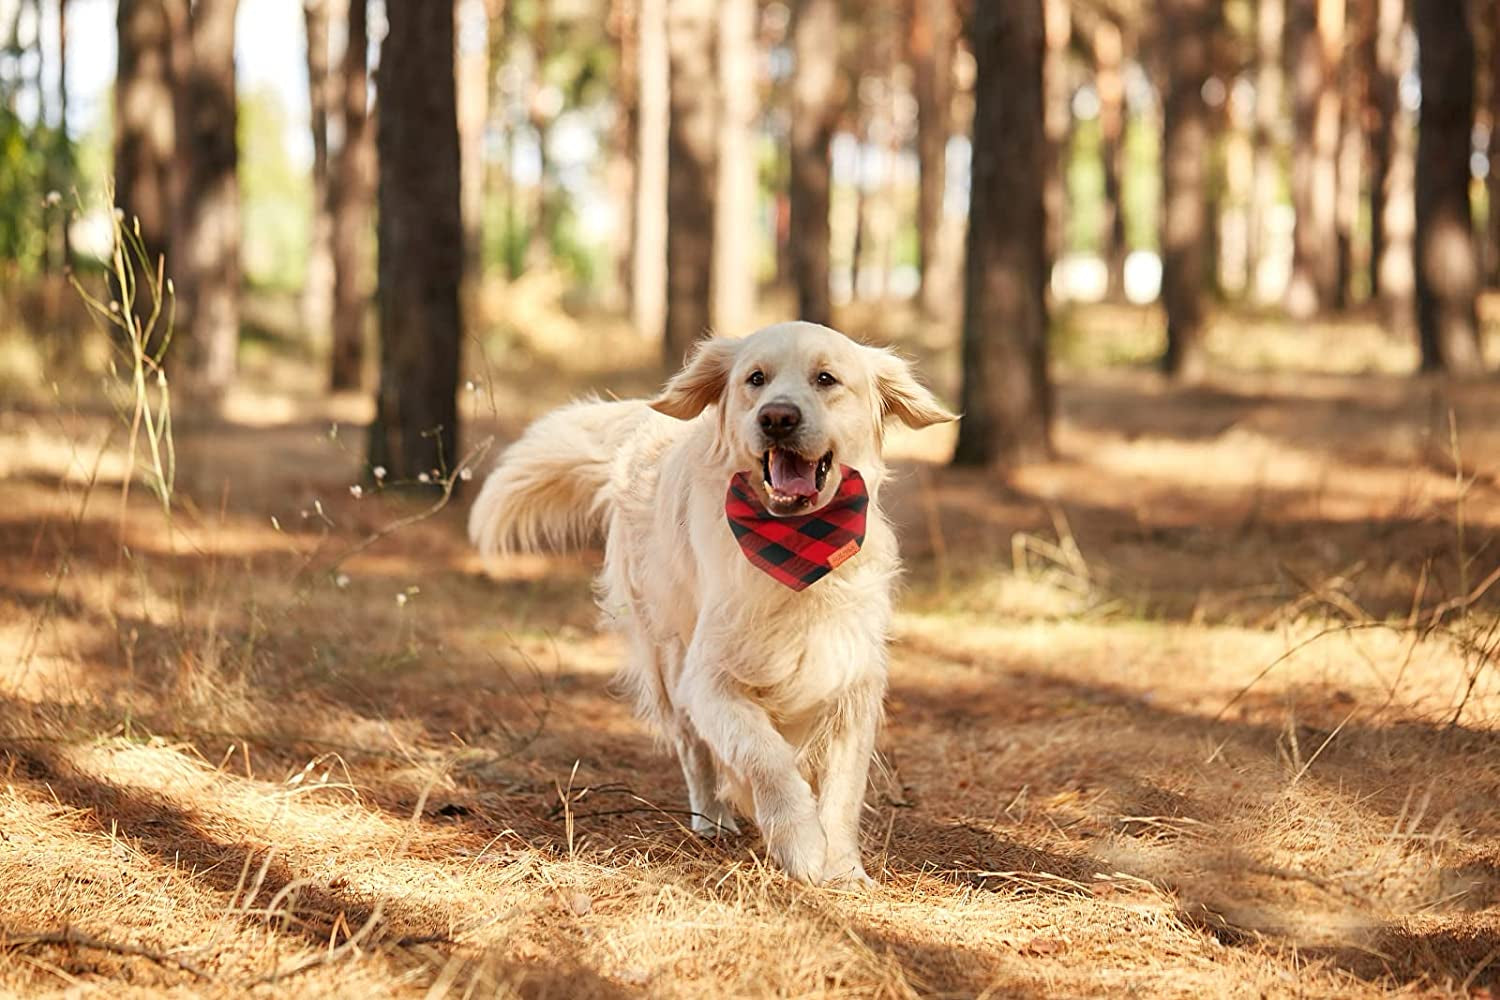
column 1198, row 739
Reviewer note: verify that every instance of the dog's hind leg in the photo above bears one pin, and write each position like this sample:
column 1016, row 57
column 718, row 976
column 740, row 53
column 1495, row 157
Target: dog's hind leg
column 711, row 815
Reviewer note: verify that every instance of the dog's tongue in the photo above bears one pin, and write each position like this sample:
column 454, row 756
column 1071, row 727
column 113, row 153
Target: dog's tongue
column 792, row 475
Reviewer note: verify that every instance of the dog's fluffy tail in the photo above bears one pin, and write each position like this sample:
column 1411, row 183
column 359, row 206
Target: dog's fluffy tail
column 551, row 488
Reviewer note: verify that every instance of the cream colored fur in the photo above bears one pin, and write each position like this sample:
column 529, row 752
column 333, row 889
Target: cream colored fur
column 771, row 698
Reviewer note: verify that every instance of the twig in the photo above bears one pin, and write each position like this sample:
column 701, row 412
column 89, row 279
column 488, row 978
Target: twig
column 68, row 937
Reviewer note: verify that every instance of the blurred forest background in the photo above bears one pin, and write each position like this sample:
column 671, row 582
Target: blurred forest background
column 1193, row 685
column 687, row 165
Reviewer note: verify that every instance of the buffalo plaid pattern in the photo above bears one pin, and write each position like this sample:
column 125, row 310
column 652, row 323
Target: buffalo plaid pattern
column 799, row 551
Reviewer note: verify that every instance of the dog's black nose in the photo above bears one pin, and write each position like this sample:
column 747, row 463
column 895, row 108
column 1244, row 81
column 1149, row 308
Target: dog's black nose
column 778, row 420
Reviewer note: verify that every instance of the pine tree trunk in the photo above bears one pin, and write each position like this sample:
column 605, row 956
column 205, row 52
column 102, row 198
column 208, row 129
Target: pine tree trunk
column 737, row 221
column 1184, row 239
column 620, row 173
column 317, row 291
column 1447, row 259
column 206, row 238
column 815, row 104
column 692, row 136
column 1270, row 24
column 1314, row 40
column 1109, row 82
column 472, row 67
column 1057, row 121
column 1351, row 157
column 931, row 35
column 1007, row 395
column 350, row 192
column 415, row 432
column 145, row 140
column 648, row 252
column 1392, row 169
column 1492, row 182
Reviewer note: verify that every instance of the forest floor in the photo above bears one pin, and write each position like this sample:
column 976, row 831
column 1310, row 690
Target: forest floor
column 1207, row 706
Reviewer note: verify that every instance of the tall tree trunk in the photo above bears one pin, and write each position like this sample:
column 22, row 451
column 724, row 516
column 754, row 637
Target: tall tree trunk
column 1007, row 394
column 620, row 173
column 1057, row 118
column 1351, row 155
column 206, row 238
column 1492, row 260
column 350, row 194
column 932, row 40
column 1270, row 24
column 541, row 117
column 317, row 290
column 69, row 165
column 737, row 220
column 145, row 141
column 472, row 58
column 420, row 244
column 1187, row 29
column 648, row 303
column 815, row 106
column 691, row 168
column 1447, row 261
column 1109, row 82
column 1314, row 39
column 1392, row 168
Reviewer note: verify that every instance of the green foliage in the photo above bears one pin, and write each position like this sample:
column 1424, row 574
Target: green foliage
column 32, row 159
column 275, row 196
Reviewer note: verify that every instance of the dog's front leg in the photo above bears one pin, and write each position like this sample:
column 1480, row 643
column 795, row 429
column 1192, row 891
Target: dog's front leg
column 741, row 736
column 842, row 780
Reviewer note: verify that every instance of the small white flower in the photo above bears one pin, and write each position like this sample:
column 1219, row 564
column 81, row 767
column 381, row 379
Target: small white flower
column 114, row 307
column 471, row 386
column 342, row 580
column 378, row 472
column 424, row 478
column 356, row 491
column 120, row 214
column 466, row 475
column 305, row 513
column 401, row 600
column 275, row 523
column 53, row 198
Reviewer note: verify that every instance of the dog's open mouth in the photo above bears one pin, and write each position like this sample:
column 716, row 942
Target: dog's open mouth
column 793, row 482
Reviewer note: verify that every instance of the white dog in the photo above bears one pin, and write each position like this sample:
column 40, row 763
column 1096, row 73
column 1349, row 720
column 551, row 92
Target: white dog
column 758, row 649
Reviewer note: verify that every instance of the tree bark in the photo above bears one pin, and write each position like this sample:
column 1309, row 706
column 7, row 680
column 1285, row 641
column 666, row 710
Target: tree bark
column 1392, row 168
column 932, row 41
column 648, row 303
column 1351, row 154
column 1447, row 258
column 736, row 249
column 206, row 238
column 1057, row 118
column 1109, row 82
column 620, row 173
column 145, row 141
column 415, row 432
column 350, row 193
column 1270, row 24
column 317, row 291
column 815, row 107
column 1007, row 394
column 1187, row 27
column 692, row 135
column 1492, row 182
column 1314, row 39
column 472, row 58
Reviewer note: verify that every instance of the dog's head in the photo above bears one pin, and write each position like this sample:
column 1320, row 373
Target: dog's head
column 794, row 402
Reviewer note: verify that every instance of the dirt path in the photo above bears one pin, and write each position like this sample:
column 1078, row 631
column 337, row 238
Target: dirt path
column 1171, row 716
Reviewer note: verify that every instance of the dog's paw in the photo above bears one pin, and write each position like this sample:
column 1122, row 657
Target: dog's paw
column 846, row 874
column 716, row 822
column 799, row 851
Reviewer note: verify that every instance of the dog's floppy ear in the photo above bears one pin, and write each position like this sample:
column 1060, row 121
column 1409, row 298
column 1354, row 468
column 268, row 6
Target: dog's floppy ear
column 902, row 397
column 701, row 381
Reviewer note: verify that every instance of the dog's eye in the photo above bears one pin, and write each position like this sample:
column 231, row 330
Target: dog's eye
column 825, row 379
column 757, row 378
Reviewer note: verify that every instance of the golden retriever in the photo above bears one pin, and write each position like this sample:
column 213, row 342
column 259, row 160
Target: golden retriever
column 770, row 696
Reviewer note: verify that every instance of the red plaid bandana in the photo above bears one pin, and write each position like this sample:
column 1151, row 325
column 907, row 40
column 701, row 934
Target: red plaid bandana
column 799, row 551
